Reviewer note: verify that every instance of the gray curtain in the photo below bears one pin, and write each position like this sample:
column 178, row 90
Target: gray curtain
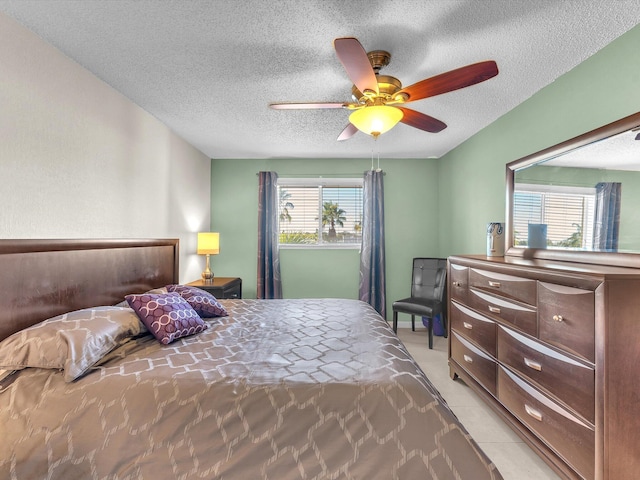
column 607, row 217
column 373, row 281
column 269, row 284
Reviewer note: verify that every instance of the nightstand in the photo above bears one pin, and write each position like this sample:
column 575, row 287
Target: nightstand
column 221, row 287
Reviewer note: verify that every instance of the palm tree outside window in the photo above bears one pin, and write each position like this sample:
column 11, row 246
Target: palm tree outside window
column 284, row 205
column 332, row 214
column 320, row 212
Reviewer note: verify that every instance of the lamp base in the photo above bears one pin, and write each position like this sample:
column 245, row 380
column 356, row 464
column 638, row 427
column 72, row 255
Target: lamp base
column 207, row 275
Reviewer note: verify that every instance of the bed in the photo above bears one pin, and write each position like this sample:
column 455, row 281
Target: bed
column 269, row 389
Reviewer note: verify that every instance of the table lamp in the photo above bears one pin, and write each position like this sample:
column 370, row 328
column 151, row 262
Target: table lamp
column 208, row 244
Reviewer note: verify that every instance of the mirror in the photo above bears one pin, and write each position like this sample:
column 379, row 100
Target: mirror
column 579, row 200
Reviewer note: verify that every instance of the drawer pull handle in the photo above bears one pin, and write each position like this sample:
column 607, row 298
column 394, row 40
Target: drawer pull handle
column 558, row 318
column 467, row 325
column 532, row 364
column 456, row 284
column 493, row 309
column 533, row 412
column 494, row 284
column 468, row 359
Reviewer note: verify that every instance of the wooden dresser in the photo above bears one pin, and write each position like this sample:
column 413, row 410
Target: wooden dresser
column 554, row 348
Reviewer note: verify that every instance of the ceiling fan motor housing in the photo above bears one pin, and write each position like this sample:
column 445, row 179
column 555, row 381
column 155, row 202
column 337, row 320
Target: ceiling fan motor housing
column 387, row 87
column 379, row 59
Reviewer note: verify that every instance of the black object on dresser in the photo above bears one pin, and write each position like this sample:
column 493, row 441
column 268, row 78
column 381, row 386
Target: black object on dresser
column 554, row 348
column 221, row 287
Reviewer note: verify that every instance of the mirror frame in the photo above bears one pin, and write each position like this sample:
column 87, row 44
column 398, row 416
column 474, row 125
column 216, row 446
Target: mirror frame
column 601, row 258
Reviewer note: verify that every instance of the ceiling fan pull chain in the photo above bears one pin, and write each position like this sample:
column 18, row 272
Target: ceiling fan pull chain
column 372, row 158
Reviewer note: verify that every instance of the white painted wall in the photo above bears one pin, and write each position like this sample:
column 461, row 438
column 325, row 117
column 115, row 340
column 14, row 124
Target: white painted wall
column 79, row 160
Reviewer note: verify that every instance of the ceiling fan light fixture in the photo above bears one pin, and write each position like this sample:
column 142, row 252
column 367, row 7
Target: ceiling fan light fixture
column 376, row 119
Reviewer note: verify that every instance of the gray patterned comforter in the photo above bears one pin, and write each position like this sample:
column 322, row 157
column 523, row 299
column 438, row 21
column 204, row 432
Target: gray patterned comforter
column 280, row 389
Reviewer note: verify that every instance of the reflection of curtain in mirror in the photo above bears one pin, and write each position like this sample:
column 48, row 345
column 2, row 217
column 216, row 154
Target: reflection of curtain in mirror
column 269, row 284
column 607, row 216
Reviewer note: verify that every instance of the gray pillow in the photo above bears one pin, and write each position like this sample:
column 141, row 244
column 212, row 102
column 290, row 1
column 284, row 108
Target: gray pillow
column 72, row 342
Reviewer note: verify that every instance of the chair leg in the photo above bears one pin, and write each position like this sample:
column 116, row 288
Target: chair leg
column 430, row 329
column 413, row 323
column 395, row 321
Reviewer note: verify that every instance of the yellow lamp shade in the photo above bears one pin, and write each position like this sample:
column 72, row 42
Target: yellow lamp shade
column 208, row 243
column 376, row 119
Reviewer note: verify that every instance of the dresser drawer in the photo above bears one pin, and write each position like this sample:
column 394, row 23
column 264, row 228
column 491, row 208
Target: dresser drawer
column 565, row 433
column 571, row 382
column 521, row 289
column 479, row 364
column 459, row 286
column 477, row 328
column 566, row 317
column 519, row 315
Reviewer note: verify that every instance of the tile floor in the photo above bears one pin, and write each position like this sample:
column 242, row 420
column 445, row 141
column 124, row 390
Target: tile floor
column 514, row 459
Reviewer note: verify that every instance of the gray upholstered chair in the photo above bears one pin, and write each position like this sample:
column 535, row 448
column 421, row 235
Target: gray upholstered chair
column 428, row 294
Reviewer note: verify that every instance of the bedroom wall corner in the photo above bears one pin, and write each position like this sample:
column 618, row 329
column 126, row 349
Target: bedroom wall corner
column 79, row 160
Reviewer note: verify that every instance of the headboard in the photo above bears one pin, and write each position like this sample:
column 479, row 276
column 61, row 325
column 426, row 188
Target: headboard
column 40, row 279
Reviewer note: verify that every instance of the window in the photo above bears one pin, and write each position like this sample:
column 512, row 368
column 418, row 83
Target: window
column 323, row 212
column 569, row 213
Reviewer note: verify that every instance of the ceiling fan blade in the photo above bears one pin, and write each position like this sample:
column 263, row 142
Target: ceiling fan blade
column 452, row 80
column 421, row 121
column 297, row 106
column 348, row 132
column 355, row 61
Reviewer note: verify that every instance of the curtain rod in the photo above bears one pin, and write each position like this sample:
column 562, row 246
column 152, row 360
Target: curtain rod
column 319, row 175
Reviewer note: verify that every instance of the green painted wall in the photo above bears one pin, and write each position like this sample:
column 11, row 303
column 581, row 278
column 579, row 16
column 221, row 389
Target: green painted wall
column 433, row 207
column 411, row 217
column 600, row 90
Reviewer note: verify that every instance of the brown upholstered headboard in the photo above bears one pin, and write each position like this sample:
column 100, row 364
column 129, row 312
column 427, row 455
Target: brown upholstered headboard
column 43, row 278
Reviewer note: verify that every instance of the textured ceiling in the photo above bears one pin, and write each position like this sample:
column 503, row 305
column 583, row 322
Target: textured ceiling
column 208, row 69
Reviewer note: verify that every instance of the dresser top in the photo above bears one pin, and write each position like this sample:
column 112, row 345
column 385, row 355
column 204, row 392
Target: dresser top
column 567, row 268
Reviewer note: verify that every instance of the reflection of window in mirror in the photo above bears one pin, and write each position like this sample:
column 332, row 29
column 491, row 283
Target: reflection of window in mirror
column 568, row 212
column 606, row 159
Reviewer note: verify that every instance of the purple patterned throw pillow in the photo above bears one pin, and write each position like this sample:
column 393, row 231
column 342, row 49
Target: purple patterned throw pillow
column 202, row 302
column 168, row 316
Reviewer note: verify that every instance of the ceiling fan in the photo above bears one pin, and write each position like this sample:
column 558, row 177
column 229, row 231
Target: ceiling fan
column 378, row 100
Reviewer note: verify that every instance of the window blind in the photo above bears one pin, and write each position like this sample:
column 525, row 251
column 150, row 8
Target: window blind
column 326, row 212
column 568, row 213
